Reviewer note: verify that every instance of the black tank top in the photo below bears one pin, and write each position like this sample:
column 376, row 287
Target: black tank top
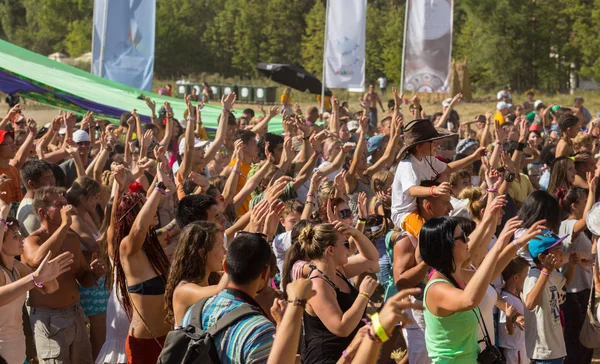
column 320, row 345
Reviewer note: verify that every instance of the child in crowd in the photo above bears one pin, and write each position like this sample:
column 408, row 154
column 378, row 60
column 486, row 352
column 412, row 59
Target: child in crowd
column 511, row 337
column 543, row 330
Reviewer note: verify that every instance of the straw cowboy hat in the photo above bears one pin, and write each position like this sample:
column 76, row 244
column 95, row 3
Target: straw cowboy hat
column 421, row 131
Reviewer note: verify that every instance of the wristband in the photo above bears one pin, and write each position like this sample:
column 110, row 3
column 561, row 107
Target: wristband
column 298, row 302
column 521, row 146
column 226, row 110
column 38, row 285
column 169, row 115
column 572, row 158
column 365, row 293
column 431, row 192
column 364, row 296
column 163, row 192
column 347, row 357
column 516, row 244
column 361, row 222
column 311, row 195
column 493, row 190
column 544, row 273
column 379, row 330
column 32, row 133
column 238, row 173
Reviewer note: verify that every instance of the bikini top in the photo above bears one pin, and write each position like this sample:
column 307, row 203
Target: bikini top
column 152, row 287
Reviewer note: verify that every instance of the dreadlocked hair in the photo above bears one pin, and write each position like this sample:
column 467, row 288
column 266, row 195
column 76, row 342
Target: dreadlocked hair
column 128, row 209
column 189, row 263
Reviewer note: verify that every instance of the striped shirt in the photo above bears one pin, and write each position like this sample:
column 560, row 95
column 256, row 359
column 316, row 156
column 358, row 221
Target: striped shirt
column 247, row 341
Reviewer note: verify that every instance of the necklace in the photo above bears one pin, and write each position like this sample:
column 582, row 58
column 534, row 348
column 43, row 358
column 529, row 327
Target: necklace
column 11, row 271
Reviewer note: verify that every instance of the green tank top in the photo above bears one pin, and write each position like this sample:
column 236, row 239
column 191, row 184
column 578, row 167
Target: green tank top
column 450, row 339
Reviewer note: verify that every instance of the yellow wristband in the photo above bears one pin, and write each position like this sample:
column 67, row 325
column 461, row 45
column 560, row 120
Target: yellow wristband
column 361, row 222
column 572, row 158
column 378, row 328
column 365, row 296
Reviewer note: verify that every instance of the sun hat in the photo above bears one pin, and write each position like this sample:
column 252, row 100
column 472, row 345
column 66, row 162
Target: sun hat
column 197, row 144
column 420, row 131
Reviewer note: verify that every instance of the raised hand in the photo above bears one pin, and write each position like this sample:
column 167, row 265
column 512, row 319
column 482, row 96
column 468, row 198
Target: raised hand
column 363, row 103
column 66, row 213
column 345, row 230
column 550, row 262
column 168, row 109
column 315, row 144
column 316, row 180
column 592, row 182
column 537, row 228
column 71, row 147
column 509, row 229
column 70, row 119
column 119, row 174
column 362, row 205
column 50, row 269
column 32, row 126
column 145, row 163
column 159, row 153
column 393, row 310
column 227, row 101
column 272, row 221
column 273, row 111
column 238, row 150
column 14, row 110
column 151, row 104
column 457, row 98
column 261, row 108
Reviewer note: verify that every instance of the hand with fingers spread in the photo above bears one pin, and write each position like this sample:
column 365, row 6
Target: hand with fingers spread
column 550, row 262
column 316, row 180
column 508, row 231
column 523, row 129
column 274, row 191
column 273, row 111
column 362, row 206
column 14, row 111
column 49, row 269
column 339, row 181
column 457, row 98
column 228, row 101
column 592, row 182
column 500, row 133
column 315, row 144
column 331, row 216
column 393, row 313
column 70, row 119
column 71, row 147
column 151, row 104
column 160, row 153
column 534, row 230
column 509, row 164
column 494, row 209
column 276, row 208
column 581, row 157
column 258, row 214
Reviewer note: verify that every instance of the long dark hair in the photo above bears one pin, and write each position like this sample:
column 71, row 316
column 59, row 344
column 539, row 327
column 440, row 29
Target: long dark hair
column 540, row 205
column 294, row 253
column 188, row 264
column 436, row 243
column 128, row 209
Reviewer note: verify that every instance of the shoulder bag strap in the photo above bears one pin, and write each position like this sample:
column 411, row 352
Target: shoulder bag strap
column 486, row 336
column 196, row 317
column 232, row 317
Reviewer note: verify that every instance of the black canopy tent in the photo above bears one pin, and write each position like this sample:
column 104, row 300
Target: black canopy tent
column 292, row 76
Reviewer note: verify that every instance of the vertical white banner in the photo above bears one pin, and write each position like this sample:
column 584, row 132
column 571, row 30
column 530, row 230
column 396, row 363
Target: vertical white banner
column 345, row 44
column 428, row 46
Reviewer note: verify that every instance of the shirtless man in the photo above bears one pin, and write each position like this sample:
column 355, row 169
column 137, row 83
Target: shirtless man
column 57, row 319
column 372, row 99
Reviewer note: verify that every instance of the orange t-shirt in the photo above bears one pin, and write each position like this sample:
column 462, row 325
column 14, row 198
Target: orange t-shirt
column 244, row 170
column 13, row 190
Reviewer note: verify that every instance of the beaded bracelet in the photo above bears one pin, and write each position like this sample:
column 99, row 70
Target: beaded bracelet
column 38, row 285
column 298, row 302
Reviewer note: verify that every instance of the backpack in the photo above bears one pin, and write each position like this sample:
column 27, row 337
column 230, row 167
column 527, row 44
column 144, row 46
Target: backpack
column 192, row 345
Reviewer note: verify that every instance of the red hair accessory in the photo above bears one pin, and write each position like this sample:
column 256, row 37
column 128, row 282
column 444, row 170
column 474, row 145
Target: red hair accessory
column 560, row 192
column 136, row 187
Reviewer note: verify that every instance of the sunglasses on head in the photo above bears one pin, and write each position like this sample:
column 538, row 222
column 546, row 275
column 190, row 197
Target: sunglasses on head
column 345, row 214
column 264, row 236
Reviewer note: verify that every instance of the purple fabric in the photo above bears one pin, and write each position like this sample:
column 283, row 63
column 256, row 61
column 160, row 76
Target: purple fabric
column 97, row 108
column 10, row 83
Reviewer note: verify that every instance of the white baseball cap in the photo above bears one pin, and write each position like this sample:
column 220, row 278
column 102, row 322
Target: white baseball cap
column 352, row 125
column 503, row 105
column 81, row 136
column 197, row 144
column 537, row 103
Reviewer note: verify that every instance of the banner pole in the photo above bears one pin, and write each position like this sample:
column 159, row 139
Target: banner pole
column 324, row 59
column 102, row 44
column 404, row 47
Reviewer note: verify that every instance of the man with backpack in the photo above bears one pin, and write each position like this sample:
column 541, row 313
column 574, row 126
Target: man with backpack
column 229, row 327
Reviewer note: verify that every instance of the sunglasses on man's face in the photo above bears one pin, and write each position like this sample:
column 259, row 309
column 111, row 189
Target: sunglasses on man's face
column 345, row 214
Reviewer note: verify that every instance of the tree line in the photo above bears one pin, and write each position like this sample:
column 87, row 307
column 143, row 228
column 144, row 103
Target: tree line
column 523, row 43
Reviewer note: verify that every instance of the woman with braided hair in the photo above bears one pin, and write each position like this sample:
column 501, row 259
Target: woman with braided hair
column 141, row 265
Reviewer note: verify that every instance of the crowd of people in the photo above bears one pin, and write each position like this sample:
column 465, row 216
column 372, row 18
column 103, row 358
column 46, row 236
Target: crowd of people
column 352, row 237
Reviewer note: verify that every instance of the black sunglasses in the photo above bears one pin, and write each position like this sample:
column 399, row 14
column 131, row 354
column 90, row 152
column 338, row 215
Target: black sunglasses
column 346, row 244
column 463, row 237
column 345, row 214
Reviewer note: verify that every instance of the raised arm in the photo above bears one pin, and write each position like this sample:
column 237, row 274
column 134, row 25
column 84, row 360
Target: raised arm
column 74, row 153
column 11, row 113
column 188, row 147
column 251, row 184
column 34, row 251
column 388, row 156
column 232, row 179
column 152, row 106
column 169, row 127
column 134, row 241
column 25, row 149
column 442, row 121
column 367, row 258
column 227, row 102
column 273, row 111
column 581, row 224
column 334, row 123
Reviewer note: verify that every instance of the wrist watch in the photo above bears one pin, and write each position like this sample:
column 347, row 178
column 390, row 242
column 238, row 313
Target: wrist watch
column 509, row 177
column 161, row 186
